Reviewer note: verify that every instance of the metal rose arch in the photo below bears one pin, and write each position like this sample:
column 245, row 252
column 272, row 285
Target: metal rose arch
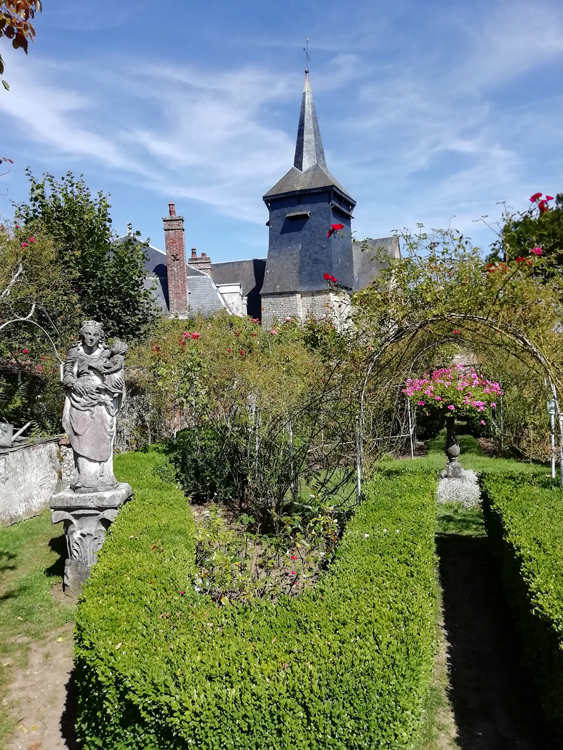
column 553, row 375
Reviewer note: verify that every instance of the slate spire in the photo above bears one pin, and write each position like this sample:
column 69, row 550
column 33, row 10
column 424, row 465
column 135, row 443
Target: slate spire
column 309, row 147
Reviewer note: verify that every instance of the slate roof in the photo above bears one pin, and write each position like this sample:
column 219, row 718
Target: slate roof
column 249, row 274
column 309, row 146
column 159, row 290
column 203, row 295
column 315, row 178
column 309, row 170
column 366, row 263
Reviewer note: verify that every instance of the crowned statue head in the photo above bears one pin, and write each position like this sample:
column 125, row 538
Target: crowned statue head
column 91, row 334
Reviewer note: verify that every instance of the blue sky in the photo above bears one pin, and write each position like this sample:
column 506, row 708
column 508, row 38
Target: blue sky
column 428, row 110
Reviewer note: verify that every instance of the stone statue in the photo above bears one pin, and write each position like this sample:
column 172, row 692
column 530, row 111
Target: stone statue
column 94, row 378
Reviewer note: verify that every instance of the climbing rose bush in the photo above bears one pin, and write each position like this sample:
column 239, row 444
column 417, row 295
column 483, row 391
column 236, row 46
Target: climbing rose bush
column 458, row 391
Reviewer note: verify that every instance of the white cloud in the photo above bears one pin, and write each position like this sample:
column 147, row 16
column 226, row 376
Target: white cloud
column 412, row 137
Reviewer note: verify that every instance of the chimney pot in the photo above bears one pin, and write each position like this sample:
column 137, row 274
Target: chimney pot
column 194, row 252
column 171, row 209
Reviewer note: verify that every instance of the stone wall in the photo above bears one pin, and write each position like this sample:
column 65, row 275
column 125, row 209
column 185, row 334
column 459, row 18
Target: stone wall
column 30, row 475
column 304, row 305
column 281, row 306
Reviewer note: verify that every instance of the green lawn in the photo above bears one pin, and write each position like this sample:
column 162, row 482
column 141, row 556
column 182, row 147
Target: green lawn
column 31, row 563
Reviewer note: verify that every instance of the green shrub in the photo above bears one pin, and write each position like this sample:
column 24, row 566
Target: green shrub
column 525, row 519
column 344, row 666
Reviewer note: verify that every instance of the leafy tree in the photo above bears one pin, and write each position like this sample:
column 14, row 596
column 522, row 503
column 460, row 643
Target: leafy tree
column 39, row 318
column 15, row 24
column 109, row 277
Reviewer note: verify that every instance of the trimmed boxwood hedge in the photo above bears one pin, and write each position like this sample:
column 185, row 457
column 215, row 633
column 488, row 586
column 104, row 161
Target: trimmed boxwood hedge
column 525, row 520
column 345, row 666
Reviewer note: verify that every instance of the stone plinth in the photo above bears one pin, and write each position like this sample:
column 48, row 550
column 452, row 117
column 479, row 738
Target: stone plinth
column 86, row 518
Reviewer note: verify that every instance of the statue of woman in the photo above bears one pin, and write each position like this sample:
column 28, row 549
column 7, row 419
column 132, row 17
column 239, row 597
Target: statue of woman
column 94, row 380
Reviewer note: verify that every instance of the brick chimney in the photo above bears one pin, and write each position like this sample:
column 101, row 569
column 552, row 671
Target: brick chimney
column 176, row 262
column 203, row 263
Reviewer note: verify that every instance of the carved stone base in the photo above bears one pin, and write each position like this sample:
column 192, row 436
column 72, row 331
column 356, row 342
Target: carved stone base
column 86, row 518
column 454, row 470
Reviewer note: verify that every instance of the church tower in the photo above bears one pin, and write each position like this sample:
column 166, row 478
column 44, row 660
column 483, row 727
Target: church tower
column 302, row 247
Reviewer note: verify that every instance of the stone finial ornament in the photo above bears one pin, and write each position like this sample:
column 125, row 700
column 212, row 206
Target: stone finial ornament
column 93, row 375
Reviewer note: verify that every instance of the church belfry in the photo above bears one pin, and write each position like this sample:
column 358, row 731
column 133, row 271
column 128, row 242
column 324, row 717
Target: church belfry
column 302, row 248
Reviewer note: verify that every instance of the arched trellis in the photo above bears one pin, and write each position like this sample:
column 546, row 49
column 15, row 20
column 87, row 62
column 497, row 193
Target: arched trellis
column 551, row 372
column 27, row 319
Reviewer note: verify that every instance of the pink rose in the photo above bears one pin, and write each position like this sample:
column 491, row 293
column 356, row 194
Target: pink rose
column 451, row 407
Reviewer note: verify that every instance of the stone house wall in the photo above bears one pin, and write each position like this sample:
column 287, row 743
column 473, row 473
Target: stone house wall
column 30, row 475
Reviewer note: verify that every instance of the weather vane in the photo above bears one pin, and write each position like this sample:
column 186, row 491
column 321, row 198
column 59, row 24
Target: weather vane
column 306, row 49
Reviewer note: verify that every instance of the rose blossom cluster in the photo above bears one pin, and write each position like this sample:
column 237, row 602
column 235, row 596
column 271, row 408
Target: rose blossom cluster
column 459, row 389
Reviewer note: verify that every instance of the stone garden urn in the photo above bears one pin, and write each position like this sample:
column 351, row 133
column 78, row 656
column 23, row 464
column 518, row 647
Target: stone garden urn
column 456, row 391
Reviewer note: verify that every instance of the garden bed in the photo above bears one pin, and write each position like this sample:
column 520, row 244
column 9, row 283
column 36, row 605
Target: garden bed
column 346, row 664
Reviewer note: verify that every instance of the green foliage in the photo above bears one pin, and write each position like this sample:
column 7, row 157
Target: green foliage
column 234, row 562
column 253, row 412
column 346, row 665
column 524, row 230
column 210, row 463
column 440, row 301
column 525, row 521
column 109, row 278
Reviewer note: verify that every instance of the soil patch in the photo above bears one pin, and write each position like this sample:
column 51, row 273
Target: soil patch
column 42, row 697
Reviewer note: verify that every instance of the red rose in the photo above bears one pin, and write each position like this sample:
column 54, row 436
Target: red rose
column 334, row 228
column 535, row 197
column 542, row 205
column 549, row 197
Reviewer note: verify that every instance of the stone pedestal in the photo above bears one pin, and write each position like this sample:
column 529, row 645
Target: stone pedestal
column 86, row 518
column 453, row 469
